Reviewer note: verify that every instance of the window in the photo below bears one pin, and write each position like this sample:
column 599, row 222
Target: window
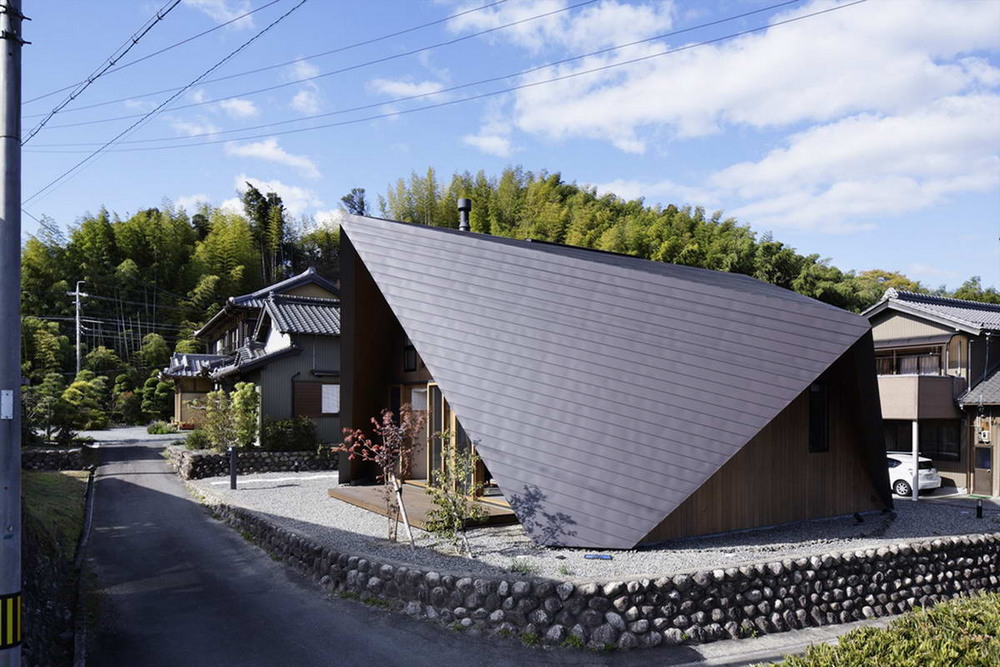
column 819, row 418
column 409, row 356
column 941, row 439
column 331, row 399
column 315, row 399
column 418, row 399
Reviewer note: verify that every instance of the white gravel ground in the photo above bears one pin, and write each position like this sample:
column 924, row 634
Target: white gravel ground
column 299, row 501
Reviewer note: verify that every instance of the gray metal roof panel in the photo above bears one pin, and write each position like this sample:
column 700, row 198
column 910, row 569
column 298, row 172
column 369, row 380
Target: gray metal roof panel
column 986, row 392
column 183, row 364
column 561, row 362
column 257, row 298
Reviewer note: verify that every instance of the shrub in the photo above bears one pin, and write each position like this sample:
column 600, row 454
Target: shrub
column 288, row 435
column 958, row 632
column 231, row 419
column 454, row 497
column 197, row 439
column 160, row 428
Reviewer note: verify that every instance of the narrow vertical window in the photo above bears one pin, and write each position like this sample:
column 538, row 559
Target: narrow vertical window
column 819, row 418
column 409, row 356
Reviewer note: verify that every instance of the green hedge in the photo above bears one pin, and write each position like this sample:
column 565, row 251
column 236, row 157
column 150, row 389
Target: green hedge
column 288, row 435
column 957, row 633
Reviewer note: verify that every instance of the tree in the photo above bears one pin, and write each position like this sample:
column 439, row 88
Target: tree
column 231, row 420
column 86, row 399
column 102, row 361
column 266, row 214
column 354, row 202
column 157, row 398
column 391, row 450
column 453, row 492
column 154, row 353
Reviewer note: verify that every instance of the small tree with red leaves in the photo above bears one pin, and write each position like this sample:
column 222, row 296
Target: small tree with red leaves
column 391, row 450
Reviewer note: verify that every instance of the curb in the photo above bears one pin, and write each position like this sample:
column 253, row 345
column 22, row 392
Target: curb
column 80, row 629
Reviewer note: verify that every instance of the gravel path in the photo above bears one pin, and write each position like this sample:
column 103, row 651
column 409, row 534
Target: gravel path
column 299, row 501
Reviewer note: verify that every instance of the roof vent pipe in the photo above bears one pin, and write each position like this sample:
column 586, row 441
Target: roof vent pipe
column 464, row 206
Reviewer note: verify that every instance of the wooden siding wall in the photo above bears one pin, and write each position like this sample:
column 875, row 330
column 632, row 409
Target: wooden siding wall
column 367, row 332
column 891, row 325
column 774, row 479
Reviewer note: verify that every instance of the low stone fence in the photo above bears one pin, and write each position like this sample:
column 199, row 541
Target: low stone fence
column 199, row 464
column 52, row 458
column 697, row 607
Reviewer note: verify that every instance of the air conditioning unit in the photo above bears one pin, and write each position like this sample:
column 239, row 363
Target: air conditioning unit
column 984, row 436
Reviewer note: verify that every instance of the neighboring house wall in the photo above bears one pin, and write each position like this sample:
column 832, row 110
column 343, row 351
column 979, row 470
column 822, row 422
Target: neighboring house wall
column 775, row 478
column 279, row 383
column 899, row 325
column 310, row 290
column 187, row 391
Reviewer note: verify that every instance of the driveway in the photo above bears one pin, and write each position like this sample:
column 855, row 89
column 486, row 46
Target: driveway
column 169, row 585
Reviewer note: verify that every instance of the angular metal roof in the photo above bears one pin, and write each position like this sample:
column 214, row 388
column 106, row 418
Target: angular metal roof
column 986, row 392
column 304, row 315
column 248, row 357
column 602, row 390
column 972, row 316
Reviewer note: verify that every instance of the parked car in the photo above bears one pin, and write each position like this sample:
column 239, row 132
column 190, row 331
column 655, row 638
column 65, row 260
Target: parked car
column 901, row 473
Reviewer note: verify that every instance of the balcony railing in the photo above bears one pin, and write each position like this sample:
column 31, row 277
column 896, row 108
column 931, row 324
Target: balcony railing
column 909, row 364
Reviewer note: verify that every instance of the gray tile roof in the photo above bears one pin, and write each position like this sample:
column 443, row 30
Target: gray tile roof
column 986, row 392
column 191, row 365
column 248, row 357
column 965, row 314
column 602, row 390
column 304, row 315
column 257, row 299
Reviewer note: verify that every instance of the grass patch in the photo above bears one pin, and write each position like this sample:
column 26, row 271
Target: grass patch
column 958, row 632
column 572, row 641
column 530, row 639
column 523, row 567
column 54, row 506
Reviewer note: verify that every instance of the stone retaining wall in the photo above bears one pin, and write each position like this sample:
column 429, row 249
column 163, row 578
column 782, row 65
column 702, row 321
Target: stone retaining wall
column 49, row 458
column 202, row 463
column 697, row 607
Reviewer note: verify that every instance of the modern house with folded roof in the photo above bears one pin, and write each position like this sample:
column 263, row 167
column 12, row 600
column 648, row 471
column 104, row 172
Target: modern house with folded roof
column 613, row 401
column 306, row 305
column 937, row 361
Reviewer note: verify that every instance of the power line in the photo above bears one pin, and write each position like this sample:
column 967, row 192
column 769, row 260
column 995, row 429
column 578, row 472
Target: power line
column 108, row 64
column 342, row 70
column 156, row 53
column 450, row 89
column 134, row 125
column 482, row 95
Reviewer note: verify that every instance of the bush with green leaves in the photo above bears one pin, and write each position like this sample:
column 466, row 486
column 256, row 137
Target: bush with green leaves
column 197, row 440
column 157, row 398
column 958, row 632
column 231, row 420
column 297, row 434
column 453, row 492
column 86, row 400
column 160, row 428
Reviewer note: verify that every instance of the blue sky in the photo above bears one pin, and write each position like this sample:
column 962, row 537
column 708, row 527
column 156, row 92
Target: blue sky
column 869, row 134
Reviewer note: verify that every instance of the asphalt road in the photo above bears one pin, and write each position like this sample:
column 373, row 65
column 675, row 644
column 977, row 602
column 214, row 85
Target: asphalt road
column 168, row 585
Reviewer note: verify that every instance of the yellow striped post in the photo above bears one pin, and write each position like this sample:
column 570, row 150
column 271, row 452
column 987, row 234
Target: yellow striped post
column 10, row 620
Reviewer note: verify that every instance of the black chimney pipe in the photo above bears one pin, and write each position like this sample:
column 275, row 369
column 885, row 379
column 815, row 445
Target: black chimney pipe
column 464, row 206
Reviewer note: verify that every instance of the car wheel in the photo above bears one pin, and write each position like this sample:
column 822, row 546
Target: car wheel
column 901, row 488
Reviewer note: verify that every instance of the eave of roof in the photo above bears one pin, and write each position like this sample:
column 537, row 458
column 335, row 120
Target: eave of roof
column 254, row 363
column 304, row 315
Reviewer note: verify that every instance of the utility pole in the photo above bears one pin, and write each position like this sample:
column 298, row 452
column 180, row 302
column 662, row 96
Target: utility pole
column 77, row 293
column 10, row 335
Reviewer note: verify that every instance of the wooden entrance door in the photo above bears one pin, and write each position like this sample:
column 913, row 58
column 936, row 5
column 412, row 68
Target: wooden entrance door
column 982, row 471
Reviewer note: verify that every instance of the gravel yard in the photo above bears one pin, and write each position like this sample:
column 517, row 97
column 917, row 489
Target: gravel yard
column 299, row 501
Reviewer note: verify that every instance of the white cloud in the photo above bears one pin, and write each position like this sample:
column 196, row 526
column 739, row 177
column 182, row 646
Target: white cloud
column 297, row 199
column 191, row 128
column 270, row 151
column 328, row 218
column 306, row 101
column 491, row 144
column 610, row 22
column 665, row 190
column 884, row 57
column 843, row 175
column 225, row 10
column 138, row 105
column 234, row 204
column 190, row 203
column 239, row 108
column 398, row 88
column 917, row 268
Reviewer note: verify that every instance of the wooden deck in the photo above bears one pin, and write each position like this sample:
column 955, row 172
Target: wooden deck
column 418, row 503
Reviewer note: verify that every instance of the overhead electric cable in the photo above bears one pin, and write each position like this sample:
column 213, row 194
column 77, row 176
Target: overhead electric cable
column 481, row 95
column 155, row 53
column 103, row 69
column 450, row 89
column 163, row 104
column 324, row 75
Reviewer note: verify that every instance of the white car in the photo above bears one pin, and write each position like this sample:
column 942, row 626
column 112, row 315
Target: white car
column 901, row 473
